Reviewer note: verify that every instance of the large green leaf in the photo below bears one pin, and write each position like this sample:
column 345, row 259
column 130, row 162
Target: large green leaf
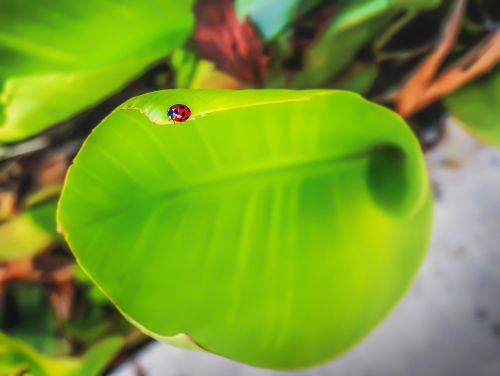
column 16, row 358
column 274, row 227
column 476, row 106
column 356, row 22
column 57, row 58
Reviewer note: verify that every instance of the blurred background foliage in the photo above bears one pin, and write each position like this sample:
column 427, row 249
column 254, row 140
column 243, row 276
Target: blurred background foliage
column 66, row 65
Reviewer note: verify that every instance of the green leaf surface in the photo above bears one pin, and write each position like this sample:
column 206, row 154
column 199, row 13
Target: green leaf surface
column 16, row 357
column 274, row 227
column 57, row 58
column 476, row 106
column 28, row 232
column 356, row 22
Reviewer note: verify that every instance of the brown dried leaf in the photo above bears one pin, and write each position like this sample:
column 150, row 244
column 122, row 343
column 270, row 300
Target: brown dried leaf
column 55, row 272
column 423, row 87
column 233, row 45
column 61, row 299
column 17, row 270
column 476, row 62
column 52, row 170
column 46, row 268
column 410, row 93
column 8, row 204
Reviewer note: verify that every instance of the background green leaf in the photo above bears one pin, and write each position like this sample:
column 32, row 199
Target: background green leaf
column 16, row 357
column 355, row 23
column 476, row 106
column 271, row 16
column 274, row 227
column 95, row 360
column 29, row 232
column 361, row 81
column 56, row 59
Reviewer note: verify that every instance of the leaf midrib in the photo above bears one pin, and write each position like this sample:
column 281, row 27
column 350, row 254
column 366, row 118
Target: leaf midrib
column 312, row 166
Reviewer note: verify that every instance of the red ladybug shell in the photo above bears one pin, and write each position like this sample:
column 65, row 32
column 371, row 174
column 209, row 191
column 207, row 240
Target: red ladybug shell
column 179, row 113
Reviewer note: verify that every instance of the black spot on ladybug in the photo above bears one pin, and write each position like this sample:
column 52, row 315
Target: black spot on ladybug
column 182, row 106
column 183, row 113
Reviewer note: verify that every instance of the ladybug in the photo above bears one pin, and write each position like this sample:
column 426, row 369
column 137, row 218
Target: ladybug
column 179, row 113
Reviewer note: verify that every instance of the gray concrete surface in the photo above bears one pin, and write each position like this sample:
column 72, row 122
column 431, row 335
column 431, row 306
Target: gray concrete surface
column 449, row 323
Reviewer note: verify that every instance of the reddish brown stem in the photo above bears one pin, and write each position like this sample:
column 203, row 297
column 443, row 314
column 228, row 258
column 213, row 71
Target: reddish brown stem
column 411, row 95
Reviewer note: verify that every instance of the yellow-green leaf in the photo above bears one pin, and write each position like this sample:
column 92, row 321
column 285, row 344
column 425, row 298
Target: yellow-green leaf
column 476, row 106
column 274, row 227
